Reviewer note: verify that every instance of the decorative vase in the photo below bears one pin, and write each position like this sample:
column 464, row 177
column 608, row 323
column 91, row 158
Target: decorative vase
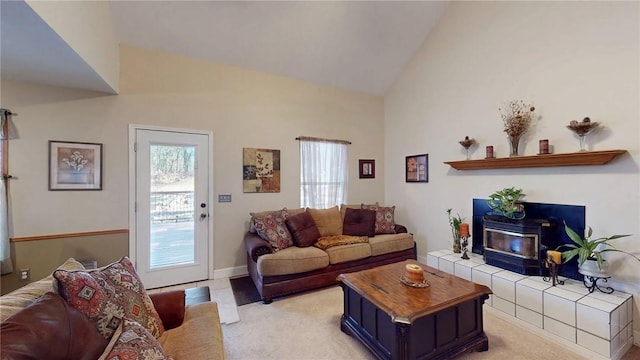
column 590, row 268
column 456, row 247
column 514, row 142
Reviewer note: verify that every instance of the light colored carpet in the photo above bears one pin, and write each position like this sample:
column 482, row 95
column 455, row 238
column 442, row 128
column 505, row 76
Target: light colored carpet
column 307, row 326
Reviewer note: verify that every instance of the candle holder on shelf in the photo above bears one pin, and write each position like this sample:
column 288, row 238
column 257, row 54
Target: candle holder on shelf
column 552, row 262
column 582, row 129
column 466, row 144
column 464, row 239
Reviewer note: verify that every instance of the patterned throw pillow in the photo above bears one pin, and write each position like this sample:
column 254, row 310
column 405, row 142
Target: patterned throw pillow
column 108, row 294
column 385, row 222
column 272, row 228
column 133, row 341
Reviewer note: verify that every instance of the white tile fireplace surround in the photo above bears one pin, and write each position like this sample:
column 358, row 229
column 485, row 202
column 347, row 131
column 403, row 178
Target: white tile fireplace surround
column 600, row 323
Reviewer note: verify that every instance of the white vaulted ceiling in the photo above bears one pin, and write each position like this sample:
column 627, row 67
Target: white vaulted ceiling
column 356, row 45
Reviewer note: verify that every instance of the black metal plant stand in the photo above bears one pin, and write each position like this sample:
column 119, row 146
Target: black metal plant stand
column 553, row 272
column 591, row 283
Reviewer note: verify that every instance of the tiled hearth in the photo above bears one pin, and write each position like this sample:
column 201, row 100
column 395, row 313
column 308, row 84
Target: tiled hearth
column 601, row 323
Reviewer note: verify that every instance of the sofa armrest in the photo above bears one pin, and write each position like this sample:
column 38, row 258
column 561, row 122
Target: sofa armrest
column 400, row 229
column 170, row 306
column 256, row 246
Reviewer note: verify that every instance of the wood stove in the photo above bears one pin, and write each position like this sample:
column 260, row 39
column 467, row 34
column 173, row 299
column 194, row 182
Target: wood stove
column 517, row 245
column 520, row 245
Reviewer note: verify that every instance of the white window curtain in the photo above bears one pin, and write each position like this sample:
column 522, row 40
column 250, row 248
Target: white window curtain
column 8, row 132
column 324, row 172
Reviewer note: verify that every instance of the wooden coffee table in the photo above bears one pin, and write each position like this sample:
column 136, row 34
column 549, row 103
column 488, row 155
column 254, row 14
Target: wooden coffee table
column 398, row 321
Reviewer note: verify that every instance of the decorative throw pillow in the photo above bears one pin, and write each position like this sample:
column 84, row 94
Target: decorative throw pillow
column 272, row 227
column 328, row 221
column 385, row 222
column 303, row 229
column 359, row 222
column 108, row 294
column 133, row 341
column 50, row 329
column 326, row 242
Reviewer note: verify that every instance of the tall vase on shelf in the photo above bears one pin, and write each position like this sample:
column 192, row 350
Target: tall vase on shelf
column 514, row 142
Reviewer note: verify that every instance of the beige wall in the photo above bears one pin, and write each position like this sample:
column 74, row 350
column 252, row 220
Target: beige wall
column 41, row 257
column 242, row 108
column 571, row 59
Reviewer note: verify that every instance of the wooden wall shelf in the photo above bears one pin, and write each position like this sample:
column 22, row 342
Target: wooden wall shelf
column 570, row 159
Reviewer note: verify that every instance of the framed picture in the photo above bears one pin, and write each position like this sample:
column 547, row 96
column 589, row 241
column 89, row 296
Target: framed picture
column 417, row 168
column 260, row 170
column 367, row 169
column 75, row 165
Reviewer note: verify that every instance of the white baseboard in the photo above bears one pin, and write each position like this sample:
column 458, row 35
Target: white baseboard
column 231, row 272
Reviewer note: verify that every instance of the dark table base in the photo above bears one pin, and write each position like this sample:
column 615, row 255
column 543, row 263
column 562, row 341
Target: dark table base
column 442, row 335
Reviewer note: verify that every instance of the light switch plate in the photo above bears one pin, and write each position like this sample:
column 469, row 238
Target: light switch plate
column 224, row 197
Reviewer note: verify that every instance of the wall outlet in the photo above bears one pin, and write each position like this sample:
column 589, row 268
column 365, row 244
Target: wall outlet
column 25, row 274
column 224, row 197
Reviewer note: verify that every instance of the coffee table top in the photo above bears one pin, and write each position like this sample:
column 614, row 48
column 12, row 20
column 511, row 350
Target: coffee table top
column 404, row 303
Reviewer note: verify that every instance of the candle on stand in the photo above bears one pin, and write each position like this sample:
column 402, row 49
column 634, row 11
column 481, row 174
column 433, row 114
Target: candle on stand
column 556, row 256
column 464, row 230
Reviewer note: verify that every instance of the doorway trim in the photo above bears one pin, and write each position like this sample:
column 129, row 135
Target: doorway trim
column 132, row 189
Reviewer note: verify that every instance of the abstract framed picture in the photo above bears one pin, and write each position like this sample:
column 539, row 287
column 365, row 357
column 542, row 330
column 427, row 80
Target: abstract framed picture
column 260, row 170
column 417, row 168
column 75, row 165
column 367, row 169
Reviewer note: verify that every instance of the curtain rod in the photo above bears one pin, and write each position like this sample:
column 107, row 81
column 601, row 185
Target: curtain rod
column 8, row 112
column 309, row 138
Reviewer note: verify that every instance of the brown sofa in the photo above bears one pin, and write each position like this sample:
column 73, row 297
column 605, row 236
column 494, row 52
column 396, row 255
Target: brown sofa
column 37, row 323
column 298, row 268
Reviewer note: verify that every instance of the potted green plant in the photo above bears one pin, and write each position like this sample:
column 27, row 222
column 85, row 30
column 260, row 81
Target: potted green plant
column 508, row 202
column 454, row 223
column 589, row 252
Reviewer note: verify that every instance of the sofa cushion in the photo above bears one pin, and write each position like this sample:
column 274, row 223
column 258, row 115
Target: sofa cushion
column 385, row 222
column 170, row 307
column 199, row 337
column 49, row 328
column 359, row 222
column 108, row 294
column 344, row 253
column 303, row 229
column 133, row 341
column 22, row 297
column 328, row 221
column 388, row 243
column 292, row 260
column 272, row 228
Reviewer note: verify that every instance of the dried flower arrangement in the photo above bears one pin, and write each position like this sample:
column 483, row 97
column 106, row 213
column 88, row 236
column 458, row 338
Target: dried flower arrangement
column 517, row 117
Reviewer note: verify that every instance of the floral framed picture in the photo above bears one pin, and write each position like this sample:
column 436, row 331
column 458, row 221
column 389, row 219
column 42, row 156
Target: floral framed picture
column 367, row 169
column 417, row 168
column 260, row 170
column 75, row 165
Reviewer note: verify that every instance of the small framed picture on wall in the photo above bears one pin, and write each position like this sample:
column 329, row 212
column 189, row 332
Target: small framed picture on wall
column 75, row 165
column 417, row 168
column 367, row 169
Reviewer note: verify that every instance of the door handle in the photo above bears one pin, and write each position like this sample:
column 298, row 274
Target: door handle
column 203, row 215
